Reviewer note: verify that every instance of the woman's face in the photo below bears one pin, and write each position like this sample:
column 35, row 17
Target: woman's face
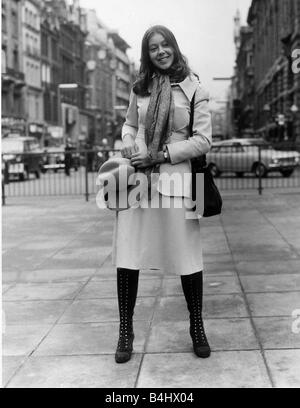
column 160, row 52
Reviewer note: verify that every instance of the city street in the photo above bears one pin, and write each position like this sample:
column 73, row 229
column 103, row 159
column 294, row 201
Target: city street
column 60, row 305
column 84, row 81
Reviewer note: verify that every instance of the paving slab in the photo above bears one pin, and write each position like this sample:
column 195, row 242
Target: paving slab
column 89, row 338
column 76, row 372
column 103, row 310
column 78, row 258
column 6, row 287
column 25, row 258
column 224, row 258
column 108, row 288
column 34, row 312
column 10, row 365
column 285, row 367
column 105, row 272
column 211, row 285
column 256, row 239
column 175, row 308
column 216, row 267
column 214, row 242
column 255, row 267
column 109, row 272
column 262, row 251
column 43, row 291
column 271, row 283
column 277, row 332
column 49, row 275
column 222, row 334
column 41, row 243
column 222, row 369
column 95, row 241
column 21, row 340
column 273, row 303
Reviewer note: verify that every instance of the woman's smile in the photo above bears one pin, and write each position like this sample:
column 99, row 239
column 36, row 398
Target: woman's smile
column 160, row 52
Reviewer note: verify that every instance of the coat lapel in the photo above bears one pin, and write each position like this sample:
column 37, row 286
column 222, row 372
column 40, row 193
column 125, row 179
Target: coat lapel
column 189, row 86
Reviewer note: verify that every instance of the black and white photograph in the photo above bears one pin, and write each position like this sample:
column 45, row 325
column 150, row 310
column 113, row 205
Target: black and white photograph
column 150, row 155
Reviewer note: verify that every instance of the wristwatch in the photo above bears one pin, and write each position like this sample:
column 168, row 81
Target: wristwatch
column 165, row 152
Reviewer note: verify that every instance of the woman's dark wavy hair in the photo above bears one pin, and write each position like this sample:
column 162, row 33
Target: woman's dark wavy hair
column 179, row 70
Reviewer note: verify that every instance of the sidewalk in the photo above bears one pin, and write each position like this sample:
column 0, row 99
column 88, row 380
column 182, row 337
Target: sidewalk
column 60, row 304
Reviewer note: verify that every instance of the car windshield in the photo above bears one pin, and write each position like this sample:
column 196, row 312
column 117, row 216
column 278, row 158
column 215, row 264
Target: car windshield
column 266, row 147
column 261, row 143
column 12, row 146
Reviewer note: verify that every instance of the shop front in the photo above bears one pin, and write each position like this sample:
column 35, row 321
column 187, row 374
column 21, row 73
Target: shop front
column 37, row 130
column 13, row 125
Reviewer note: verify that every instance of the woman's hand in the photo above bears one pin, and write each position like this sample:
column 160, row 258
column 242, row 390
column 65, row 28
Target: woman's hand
column 141, row 160
column 129, row 147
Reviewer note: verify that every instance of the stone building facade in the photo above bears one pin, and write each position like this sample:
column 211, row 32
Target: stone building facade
column 122, row 79
column 99, row 51
column 65, row 75
column 276, row 34
column 50, row 71
column 31, row 30
column 245, row 82
column 12, row 70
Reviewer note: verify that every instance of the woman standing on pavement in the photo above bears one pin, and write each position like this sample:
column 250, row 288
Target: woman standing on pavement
column 156, row 138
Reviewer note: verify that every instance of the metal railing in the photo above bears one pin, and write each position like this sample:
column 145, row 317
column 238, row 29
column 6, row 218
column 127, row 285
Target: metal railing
column 56, row 173
column 62, row 173
column 239, row 166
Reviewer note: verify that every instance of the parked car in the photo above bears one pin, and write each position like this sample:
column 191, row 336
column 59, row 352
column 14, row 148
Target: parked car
column 242, row 156
column 22, row 156
column 54, row 159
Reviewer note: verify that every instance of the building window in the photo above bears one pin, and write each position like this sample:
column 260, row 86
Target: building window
column 45, row 74
column 16, row 60
column 4, row 28
column 27, row 43
column 54, row 50
column 14, row 23
column 37, row 107
column 47, row 106
column 3, row 60
column 250, row 59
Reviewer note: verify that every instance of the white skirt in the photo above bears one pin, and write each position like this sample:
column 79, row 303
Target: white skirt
column 158, row 238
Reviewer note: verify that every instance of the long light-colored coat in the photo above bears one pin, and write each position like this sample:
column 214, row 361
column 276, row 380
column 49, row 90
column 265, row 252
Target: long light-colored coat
column 164, row 237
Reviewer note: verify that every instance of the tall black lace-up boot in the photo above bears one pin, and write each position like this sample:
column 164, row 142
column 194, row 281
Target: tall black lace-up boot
column 192, row 286
column 127, row 281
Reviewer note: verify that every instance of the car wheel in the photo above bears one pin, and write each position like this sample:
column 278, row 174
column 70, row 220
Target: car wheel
column 213, row 168
column 260, row 170
column 24, row 176
column 239, row 174
column 287, row 173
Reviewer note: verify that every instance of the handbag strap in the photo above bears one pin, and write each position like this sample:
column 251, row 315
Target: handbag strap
column 201, row 159
column 192, row 108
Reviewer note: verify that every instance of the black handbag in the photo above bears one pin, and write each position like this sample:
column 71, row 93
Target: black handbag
column 212, row 197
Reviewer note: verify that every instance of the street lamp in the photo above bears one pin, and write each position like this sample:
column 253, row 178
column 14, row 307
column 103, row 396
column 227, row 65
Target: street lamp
column 294, row 108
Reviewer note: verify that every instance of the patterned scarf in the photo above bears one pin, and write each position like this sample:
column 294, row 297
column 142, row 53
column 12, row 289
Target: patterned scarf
column 159, row 120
